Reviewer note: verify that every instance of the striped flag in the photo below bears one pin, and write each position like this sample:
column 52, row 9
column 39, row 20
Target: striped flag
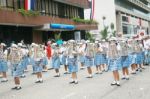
column 92, row 5
column 29, row 4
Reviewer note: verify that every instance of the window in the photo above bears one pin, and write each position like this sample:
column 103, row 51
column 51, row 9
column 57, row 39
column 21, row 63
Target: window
column 20, row 4
column 3, row 3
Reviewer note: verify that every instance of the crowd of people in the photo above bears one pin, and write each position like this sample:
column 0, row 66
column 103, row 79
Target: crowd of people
column 112, row 55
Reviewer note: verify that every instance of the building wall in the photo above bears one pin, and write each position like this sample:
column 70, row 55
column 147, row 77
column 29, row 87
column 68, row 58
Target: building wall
column 131, row 18
column 102, row 8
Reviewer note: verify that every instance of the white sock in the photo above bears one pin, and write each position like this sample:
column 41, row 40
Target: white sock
column 40, row 79
column 123, row 76
column 76, row 80
column 127, row 76
column 17, row 85
column 4, row 79
column 90, row 75
column 117, row 82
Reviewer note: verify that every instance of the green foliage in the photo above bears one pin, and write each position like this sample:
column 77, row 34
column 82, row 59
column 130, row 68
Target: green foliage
column 85, row 21
column 89, row 36
column 112, row 29
column 28, row 13
column 57, row 36
column 112, row 26
column 114, row 33
column 104, row 33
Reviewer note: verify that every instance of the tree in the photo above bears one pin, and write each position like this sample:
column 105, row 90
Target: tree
column 57, row 36
column 112, row 29
column 89, row 36
column 104, row 33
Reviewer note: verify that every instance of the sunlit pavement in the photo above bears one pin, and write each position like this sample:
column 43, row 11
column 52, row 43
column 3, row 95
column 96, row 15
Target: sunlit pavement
column 138, row 87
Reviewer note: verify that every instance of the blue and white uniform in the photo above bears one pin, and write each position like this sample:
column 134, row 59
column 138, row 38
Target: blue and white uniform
column 15, row 60
column 72, row 59
column 89, row 55
column 113, row 57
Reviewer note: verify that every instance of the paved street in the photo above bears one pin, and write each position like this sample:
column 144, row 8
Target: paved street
column 138, row 87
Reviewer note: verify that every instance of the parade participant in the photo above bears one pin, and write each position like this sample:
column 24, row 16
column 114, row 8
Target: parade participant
column 3, row 62
column 81, row 52
column 125, row 61
column 98, row 59
column 132, row 54
column 140, row 55
column 38, row 62
column 24, row 59
column 63, row 50
column 89, row 57
column 147, row 50
column 56, row 59
column 104, row 53
column 31, row 57
column 45, row 59
column 113, row 63
column 72, row 61
column 15, row 57
column 49, row 54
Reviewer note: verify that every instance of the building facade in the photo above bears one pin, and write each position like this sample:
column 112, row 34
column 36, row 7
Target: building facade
column 130, row 17
column 39, row 20
column 133, row 17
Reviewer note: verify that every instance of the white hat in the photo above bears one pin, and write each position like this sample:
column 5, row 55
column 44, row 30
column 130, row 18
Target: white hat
column 64, row 42
column 96, row 41
column 19, row 44
column 14, row 45
column 33, row 44
column 112, row 39
column 49, row 42
column 87, row 41
column 54, row 44
column 71, row 40
column 103, row 40
column 3, row 44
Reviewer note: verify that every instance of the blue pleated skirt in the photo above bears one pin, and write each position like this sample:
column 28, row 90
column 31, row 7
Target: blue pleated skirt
column 140, row 58
column 82, row 59
column 64, row 60
column 17, row 70
column 89, row 62
column 38, row 66
column 56, row 62
column 114, row 64
column 133, row 58
column 72, row 65
column 99, row 59
column 3, row 66
column 125, row 61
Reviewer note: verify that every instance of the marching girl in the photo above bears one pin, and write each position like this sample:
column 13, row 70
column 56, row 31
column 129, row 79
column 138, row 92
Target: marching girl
column 45, row 59
column 125, row 60
column 104, row 53
column 132, row 55
column 3, row 62
column 24, row 59
column 81, row 52
column 38, row 62
column 140, row 55
column 56, row 59
column 72, row 62
column 89, row 58
column 114, row 60
column 147, row 50
column 31, row 57
column 63, row 51
column 98, row 59
column 15, row 57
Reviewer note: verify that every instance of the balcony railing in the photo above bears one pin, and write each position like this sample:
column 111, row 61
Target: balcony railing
column 140, row 4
